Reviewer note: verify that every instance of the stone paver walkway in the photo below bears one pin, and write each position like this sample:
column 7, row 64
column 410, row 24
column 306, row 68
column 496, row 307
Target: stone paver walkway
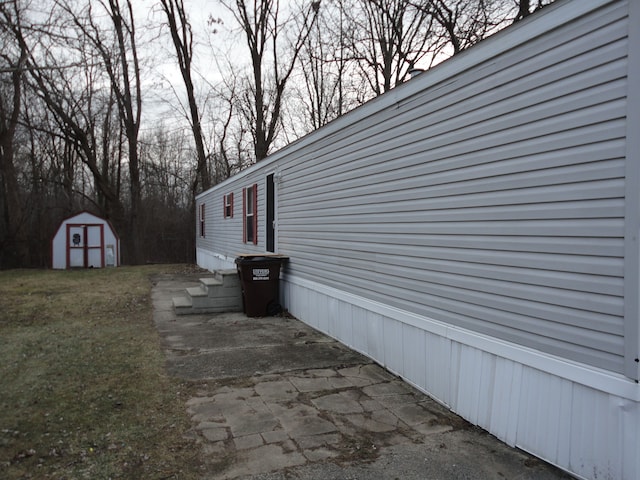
column 273, row 422
column 274, row 399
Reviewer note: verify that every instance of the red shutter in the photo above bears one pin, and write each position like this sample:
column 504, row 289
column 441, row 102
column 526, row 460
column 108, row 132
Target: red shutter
column 244, row 215
column 224, row 206
column 255, row 213
column 231, row 202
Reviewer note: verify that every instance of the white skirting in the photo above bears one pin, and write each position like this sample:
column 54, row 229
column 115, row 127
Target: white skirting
column 212, row 261
column 582, row 419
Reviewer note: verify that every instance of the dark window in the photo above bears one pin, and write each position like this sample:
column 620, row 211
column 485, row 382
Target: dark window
column 228, row 205
column 201, row 217
column 270, row 219
column 250, row 218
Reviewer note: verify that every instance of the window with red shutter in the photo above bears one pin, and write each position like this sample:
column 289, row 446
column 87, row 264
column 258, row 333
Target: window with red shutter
column 249, row 214
column 228, row 205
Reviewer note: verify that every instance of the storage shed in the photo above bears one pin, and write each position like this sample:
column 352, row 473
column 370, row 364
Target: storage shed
column 85, row 240
column 476, row 230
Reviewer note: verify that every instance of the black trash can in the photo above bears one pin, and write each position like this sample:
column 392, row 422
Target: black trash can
column 260, row 282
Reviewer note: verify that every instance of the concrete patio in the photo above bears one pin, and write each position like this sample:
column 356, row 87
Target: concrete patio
column 276, row 399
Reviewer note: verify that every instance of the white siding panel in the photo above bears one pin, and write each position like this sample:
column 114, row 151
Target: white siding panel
column 593, row 415
column 414, row 368
column 344, row 325
column 375, row 336
column 393, row 346
column 360, row 328
column 437, row 360
column 488, row 383
column 468, row 382
column 506, row 392
column 540, row 403
column 630, row 436
column 564, row 405
column 316, row 316
column 455, row 365
column 334, row 307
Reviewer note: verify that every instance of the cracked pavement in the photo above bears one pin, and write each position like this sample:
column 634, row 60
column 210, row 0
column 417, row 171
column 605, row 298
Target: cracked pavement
column 276, row 399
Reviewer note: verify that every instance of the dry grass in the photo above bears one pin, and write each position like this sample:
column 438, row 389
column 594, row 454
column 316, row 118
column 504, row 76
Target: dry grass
column 83, row 391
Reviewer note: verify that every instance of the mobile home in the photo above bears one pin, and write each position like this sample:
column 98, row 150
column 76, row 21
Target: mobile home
column 475, row 230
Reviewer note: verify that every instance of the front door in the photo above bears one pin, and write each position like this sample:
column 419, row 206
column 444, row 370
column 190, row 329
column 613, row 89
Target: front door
column 270, row 223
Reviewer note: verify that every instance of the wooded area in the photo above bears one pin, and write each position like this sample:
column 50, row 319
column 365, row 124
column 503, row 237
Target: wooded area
column 81, row 81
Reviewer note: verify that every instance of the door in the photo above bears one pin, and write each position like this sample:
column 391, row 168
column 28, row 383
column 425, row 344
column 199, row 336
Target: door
column 270, row 223
column 85, row 246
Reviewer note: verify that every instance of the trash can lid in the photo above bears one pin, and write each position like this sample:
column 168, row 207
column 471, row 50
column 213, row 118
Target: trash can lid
column 248, row 258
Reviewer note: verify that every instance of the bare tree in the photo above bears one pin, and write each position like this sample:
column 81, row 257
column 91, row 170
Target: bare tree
column 464, row 23
column 526, row 8
column 391, row 36
column 126, row 85
column 265, row 33
column 70, row 95
column 116, row 47
column 11, row 77
column 322, row 95
column 233, row 146
column 182, row 37
column 84, row 72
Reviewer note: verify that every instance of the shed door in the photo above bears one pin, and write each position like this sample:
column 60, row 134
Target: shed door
column 85, row 246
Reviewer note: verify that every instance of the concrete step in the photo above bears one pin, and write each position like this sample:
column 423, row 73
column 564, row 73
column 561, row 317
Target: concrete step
column 182, row 305
column 229, row 278
column 197, row 292
column 216, row 288
column 220, row 293
column 186, row 306
column 204, row 301
column 211, row 282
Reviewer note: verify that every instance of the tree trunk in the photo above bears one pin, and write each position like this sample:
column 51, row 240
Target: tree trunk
column 15, row 247
column 182, row 37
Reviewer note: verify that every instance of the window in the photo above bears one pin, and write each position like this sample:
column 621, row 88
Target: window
column 228, row 205
column 201, row 217
column 249, row 215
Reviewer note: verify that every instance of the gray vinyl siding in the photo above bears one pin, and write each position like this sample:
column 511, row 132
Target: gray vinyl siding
column 493, row 200
column 224, row 235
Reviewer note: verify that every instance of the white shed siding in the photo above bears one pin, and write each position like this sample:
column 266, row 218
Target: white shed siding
column 493, row 200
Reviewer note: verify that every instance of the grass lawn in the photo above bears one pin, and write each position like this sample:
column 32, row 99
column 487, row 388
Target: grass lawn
column 83, row 391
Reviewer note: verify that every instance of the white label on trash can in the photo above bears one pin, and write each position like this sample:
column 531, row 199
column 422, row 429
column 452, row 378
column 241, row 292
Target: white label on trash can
column 261, row 274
